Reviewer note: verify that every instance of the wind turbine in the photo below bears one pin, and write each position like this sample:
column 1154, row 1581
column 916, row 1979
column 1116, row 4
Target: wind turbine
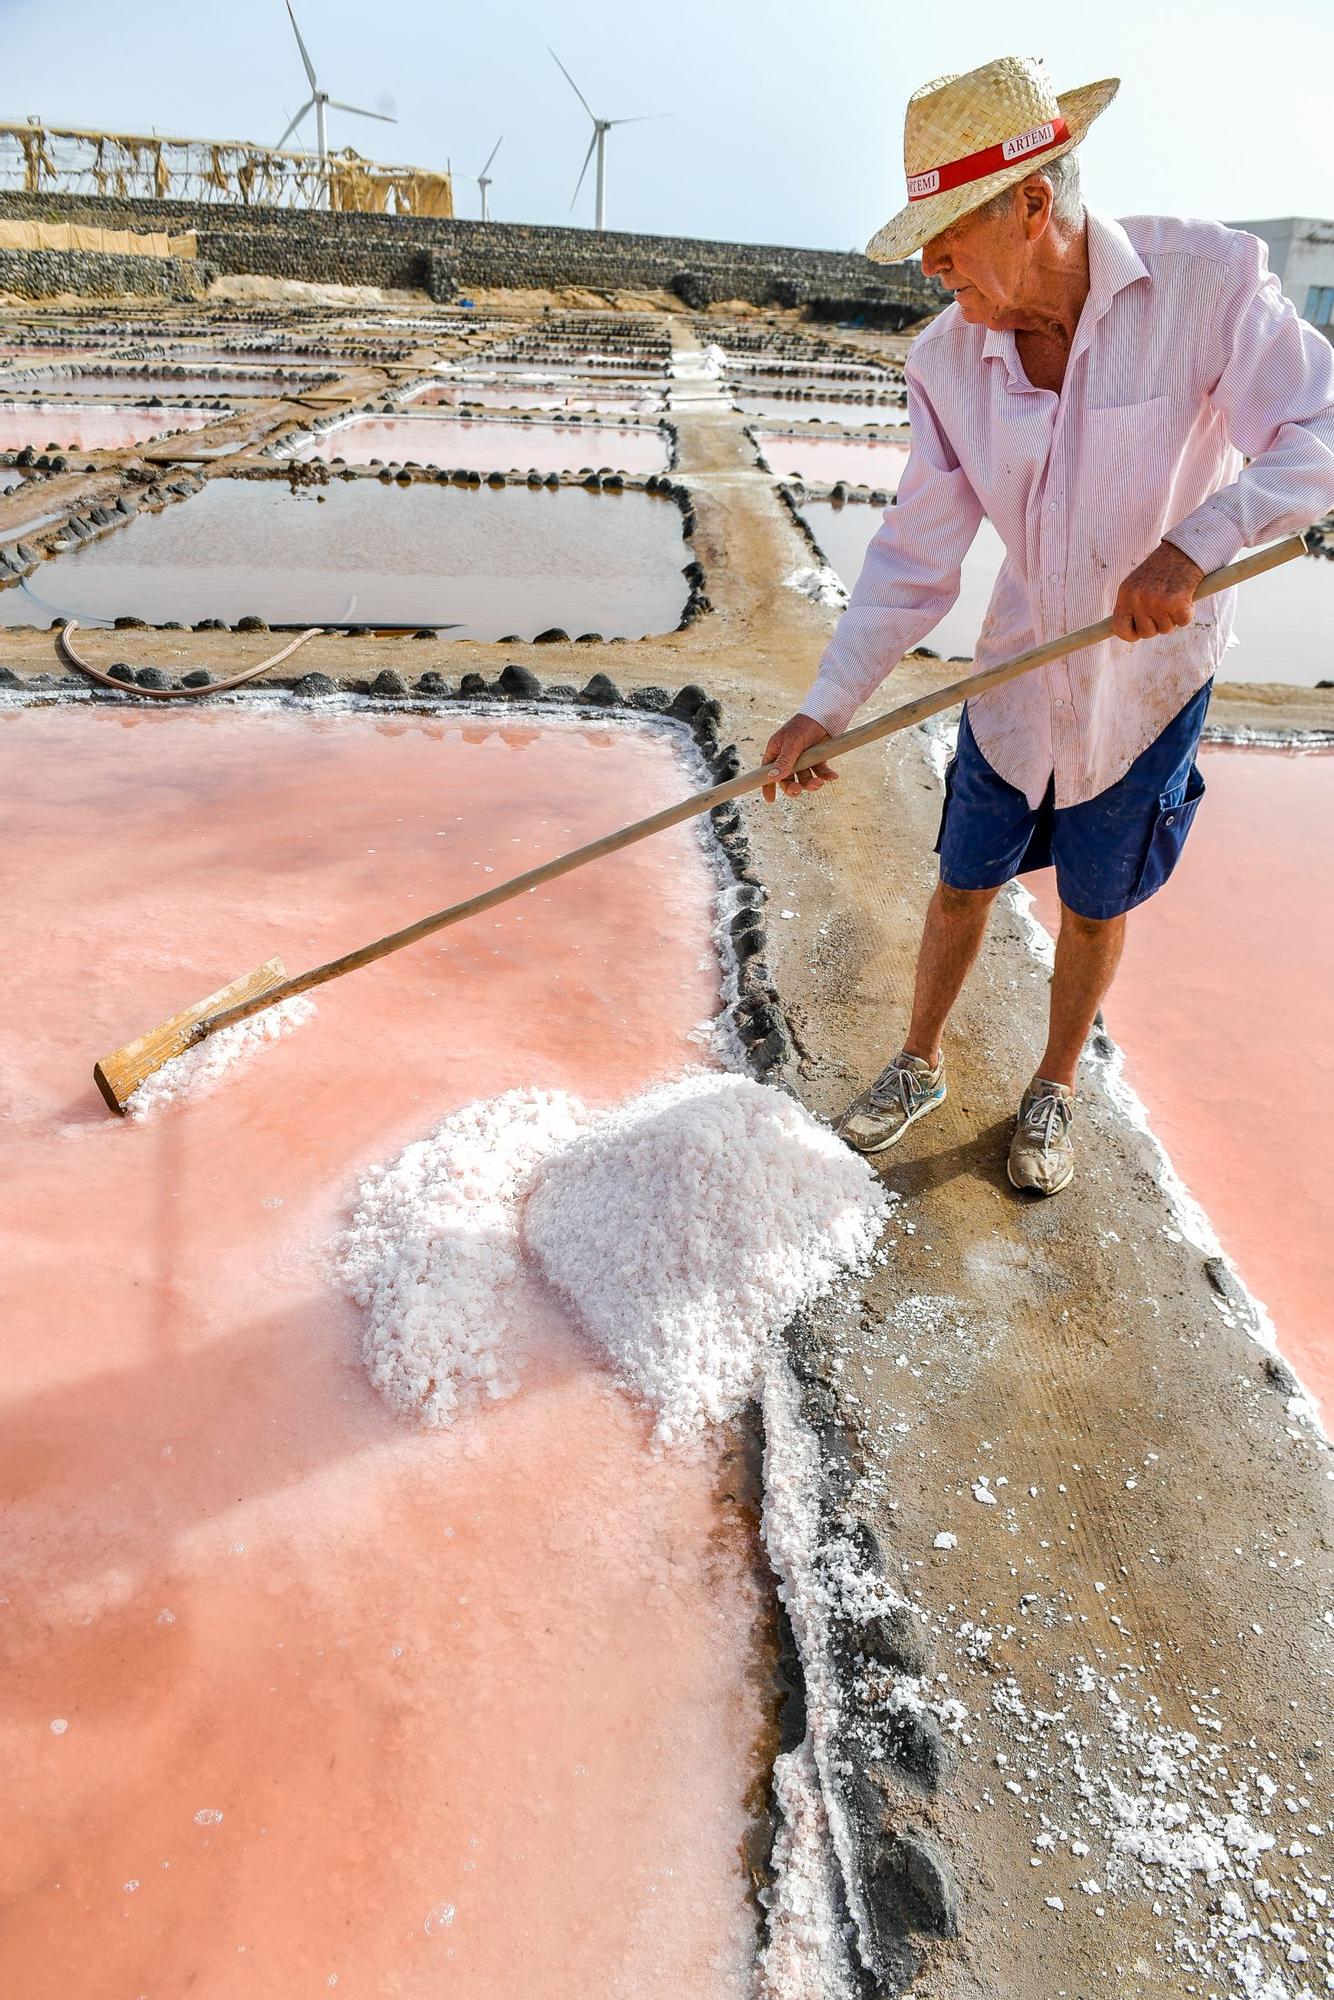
column 601, row 127
column 318, row 102
column 484, row 179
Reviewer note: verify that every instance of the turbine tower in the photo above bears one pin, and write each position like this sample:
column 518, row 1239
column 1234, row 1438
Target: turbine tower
column 318, row 102
column 598, row 142
column 484, row 178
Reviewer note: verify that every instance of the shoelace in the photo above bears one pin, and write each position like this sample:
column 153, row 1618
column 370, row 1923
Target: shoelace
column 1043, row 1115
column 898, row 1080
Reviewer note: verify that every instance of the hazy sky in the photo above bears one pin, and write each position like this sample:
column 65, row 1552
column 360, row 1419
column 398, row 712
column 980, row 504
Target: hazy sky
column 786, row 118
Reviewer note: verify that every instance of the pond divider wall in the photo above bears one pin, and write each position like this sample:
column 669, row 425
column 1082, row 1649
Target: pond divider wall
column 446, row 257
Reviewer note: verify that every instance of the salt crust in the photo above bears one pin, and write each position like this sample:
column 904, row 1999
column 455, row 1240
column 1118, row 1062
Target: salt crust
column 804, row 1957
column 203, row 1068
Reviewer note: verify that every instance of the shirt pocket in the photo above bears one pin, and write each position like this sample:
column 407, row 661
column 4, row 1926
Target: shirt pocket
column 1130, row 453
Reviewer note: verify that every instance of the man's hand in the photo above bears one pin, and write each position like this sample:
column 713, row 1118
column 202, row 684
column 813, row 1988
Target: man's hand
column 1158, row 596
column 783, row 749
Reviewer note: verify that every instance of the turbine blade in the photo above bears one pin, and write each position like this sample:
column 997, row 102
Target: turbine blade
column 494, row 150
column 584, row 169
column 360, row 110
column 573, row 85
column 305, row 53
column 645, row 118
column 309, row 105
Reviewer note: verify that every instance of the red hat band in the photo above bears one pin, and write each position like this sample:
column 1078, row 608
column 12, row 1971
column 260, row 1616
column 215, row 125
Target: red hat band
column 991, row 160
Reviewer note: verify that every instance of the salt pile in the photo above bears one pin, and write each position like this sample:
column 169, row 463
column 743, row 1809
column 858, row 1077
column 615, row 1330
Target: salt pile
column 433, row 1252
column 202, row 1068
column 689, row 1226
column 685, row 1228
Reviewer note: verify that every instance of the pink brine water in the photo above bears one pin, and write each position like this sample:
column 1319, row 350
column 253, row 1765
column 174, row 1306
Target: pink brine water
column 301, row 1698
column 1222, row 1007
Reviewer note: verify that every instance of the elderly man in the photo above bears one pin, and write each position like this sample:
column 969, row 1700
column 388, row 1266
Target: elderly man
column 1094, row 390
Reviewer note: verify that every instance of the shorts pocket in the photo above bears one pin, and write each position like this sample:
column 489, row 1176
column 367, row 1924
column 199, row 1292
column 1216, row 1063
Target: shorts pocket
column 1176, row 815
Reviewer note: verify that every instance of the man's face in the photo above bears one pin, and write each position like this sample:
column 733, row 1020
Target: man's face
column 983, row 259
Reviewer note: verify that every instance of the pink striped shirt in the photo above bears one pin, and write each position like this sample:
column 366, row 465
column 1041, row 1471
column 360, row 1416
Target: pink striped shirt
column 1186, row 356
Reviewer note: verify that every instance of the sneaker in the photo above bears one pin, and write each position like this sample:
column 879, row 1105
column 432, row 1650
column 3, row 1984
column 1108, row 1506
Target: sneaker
column 900, row 1095
column 1042, row 1156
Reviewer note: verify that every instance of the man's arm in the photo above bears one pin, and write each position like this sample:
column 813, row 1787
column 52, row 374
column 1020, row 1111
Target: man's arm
column 1275, row 393
column 909, row 580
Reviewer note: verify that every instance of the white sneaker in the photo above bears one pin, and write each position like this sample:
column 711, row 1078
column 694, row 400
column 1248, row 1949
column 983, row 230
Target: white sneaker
column 900, row 1095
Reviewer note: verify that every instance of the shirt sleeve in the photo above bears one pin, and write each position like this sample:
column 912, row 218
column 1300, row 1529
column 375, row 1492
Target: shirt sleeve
column 1274, row 390
column 911, row 573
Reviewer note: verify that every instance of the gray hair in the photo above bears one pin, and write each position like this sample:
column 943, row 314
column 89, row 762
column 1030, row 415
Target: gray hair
column 1067, row 201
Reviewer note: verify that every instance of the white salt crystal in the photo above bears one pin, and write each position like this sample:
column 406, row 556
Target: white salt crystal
column 202, row 1068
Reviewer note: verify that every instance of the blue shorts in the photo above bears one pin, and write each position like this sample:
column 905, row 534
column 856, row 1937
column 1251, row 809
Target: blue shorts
column 1110, row 853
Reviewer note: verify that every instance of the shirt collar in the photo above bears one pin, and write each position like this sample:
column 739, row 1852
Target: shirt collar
column 1114, row 263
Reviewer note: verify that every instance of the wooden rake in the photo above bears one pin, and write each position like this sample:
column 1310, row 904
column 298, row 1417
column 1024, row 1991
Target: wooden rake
column 119, row 1075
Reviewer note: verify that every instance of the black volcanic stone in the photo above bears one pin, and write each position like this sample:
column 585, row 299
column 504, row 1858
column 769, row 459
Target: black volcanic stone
column 152, row 677
column 519, row 681
column 389, row 682
column 313, row 684
column 602, row 691
column 553, row 636
column 198, row 677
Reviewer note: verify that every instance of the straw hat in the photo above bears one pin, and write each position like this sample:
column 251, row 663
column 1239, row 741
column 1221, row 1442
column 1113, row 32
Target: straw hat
column 967, row 137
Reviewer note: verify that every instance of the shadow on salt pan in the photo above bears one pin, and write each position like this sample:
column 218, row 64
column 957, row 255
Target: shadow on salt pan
column 685, row 1228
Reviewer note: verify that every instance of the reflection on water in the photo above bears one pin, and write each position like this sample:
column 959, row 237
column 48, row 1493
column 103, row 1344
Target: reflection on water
column 824, row 460
column 483, row 563
column 1231, row 938
column 486, row 445
column 70, row 428
column 1284, row 621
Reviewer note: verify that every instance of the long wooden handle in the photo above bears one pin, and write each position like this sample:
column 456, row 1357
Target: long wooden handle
column 746, row 781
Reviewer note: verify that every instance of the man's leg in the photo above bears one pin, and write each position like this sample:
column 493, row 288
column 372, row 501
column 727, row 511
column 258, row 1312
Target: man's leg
column 914, row 1082
column 1088, row 951
column 956, row 923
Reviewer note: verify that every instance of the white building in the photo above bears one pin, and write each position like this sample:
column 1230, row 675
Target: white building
column 1301, row 254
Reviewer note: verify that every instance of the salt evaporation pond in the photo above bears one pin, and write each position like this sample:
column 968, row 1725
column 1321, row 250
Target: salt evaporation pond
column 486, row 445
column 1284, row 624
column 796, row 410
column 1237, row 1072
column 10, row 477
column 301, row 1697
column 480, row 564
column 97, row 428
column 844, row 533
column 824, row 460
column 586, row 398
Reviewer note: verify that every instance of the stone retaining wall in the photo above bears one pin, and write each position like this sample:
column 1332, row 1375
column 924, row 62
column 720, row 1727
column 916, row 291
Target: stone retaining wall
column 446, row 257
column 90, row 274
